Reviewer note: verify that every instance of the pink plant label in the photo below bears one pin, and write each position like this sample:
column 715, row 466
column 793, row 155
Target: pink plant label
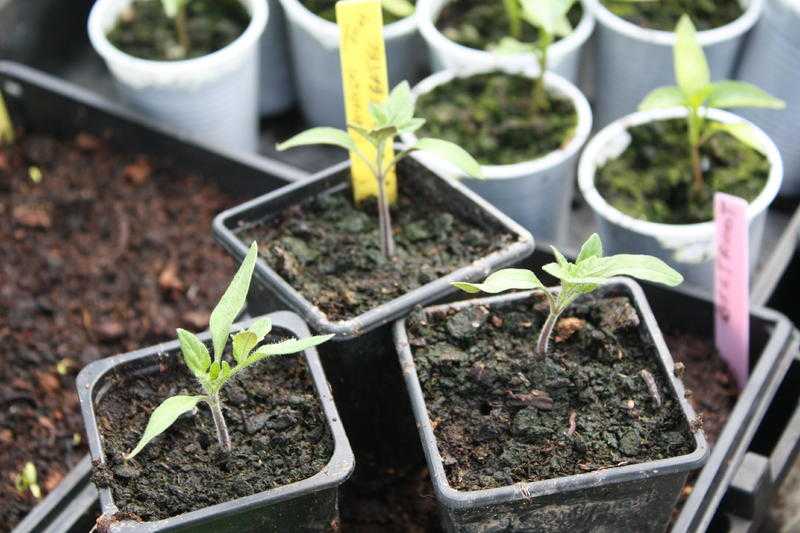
column 731, row 284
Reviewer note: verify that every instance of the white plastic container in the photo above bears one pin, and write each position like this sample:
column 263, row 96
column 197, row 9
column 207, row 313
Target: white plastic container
column 314, row 44
column 630, row 61
column 276, row 88
column 536, row 194
column 564, row 55
column 689, row 248
column 213, row 98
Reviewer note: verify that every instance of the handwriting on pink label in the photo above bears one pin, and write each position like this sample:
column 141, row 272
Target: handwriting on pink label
column 731, row 284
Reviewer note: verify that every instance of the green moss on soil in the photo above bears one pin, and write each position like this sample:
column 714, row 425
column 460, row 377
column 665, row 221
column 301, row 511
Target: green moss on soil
column 652, row 179
column 481, row 24
column 492, row 117
column 146, row 32
column 327, row 10
column 665, row 14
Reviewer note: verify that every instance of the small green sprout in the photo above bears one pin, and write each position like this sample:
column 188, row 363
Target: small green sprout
column 589, row 271
column 26, row 481
column 214, row 374
column 549, row 17
column 6, row 127
column 392, row 117
column 35, row 174
column 176, row 10
column 695, row 91
column 399, row 8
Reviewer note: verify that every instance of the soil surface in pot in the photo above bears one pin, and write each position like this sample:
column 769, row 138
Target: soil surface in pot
column 493, row 117
column 144, row 30
column 652, row 179
column 109, row 252
column 276, row 423
column 665, row 14
column 502, row 416
column 482, row 25
column 326, row 9
column 329, row 250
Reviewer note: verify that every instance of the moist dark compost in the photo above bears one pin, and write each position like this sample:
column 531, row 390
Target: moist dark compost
column 326, row 9
column 493, row 117
column 652, row 179
column 144, row 30
column 665, row 14
column 329, row 250
column 502, row 416
column 482, row 25
column 109, row 252
column 276, row 423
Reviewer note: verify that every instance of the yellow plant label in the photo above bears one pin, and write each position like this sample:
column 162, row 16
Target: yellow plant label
column 365, row 80
column 6, row 128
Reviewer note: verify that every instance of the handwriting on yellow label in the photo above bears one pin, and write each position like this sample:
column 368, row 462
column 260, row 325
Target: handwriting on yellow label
column 6, row 127
column 365, row 80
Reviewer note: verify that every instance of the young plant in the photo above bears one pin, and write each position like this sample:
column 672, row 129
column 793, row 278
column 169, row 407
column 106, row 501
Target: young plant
column 176, row 10
column 26, row 481
column 391, row 118
column 589, row 271
column 399, row 8
column 6, row 127
column 695, row 91
column 212, row 375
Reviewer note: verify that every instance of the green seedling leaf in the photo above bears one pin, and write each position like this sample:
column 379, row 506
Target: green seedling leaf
column 329, row 136
column 26, row 481
column 503, row 280
column 643, row 267
column 163, row 417
column 261, row 328
column 171, row 7
column 398, row 8
column 691, row 68
column 213, row 370
column 232, row 302
column 195, row 353
column 663, row 98
column 742, row 131
column 6, row 127
column 411, row 126
column 291, row 346
column 451, row 153
column 727, row 94
column 243, row 344
column 593, row 247
column 548, row 15
column 511, row 46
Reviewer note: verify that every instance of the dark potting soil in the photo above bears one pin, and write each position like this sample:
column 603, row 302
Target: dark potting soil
column 482, row 25
column 652, row 179
column 326, row 9
column 492, row 117
column 502, row 416
column 144, row 30
column 665, row 14
column 277, row 427
column 329, row 250
column 109, row 252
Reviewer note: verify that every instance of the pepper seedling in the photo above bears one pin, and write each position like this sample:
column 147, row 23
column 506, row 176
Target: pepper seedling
column 214, row 375
column 696, row 92
column 589, row 271
column 26, row 481
column 392, row 117
column 176, row 10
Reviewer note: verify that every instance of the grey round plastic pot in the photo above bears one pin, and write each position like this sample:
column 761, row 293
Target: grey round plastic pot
column 771, row 60
column 630, row 61
column 536, row 194
column 213, row 98
column 360, row 361
column 276, row 87
column 689, row 248
column 564, row 55
column 309, row 504
column 637, row 497
column 314, row 44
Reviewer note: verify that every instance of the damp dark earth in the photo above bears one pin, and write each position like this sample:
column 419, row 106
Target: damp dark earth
column 664, row 14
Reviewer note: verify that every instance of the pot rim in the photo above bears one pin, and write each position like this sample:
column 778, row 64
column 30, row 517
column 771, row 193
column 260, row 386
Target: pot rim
column 727, row 32
column 606, row 138
column 337, row 470
column 460, row 499
column 553, row 82
column 144, row 72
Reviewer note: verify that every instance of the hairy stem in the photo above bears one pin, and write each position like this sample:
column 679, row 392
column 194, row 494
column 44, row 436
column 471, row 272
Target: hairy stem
column 181, row 29
column 543, row 344
column 223, row 437
column 695, row 123
column 539, row 92
column 514, row 19
column 385, row 219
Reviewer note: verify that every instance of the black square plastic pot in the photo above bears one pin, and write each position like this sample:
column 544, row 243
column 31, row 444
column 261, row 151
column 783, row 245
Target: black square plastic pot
column 307, row 505
column 638, row 497
column 360, row 361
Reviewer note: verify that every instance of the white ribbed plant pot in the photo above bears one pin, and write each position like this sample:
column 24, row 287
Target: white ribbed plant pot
column 536, row 194
column 564, row 55
column 314, row 44
column 276, row 87
column 213, row 98
column 771, row 60
column 689, row 248
column 630, row 61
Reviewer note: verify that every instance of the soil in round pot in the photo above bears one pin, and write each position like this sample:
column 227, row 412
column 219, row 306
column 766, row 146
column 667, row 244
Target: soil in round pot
column 326, row 9
column 276, row 423
column 502, row 416
column 480, row 24
column 664, row 14
column 494, row 118
column 144, row 30
column 329, row 249
column 652, row 179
